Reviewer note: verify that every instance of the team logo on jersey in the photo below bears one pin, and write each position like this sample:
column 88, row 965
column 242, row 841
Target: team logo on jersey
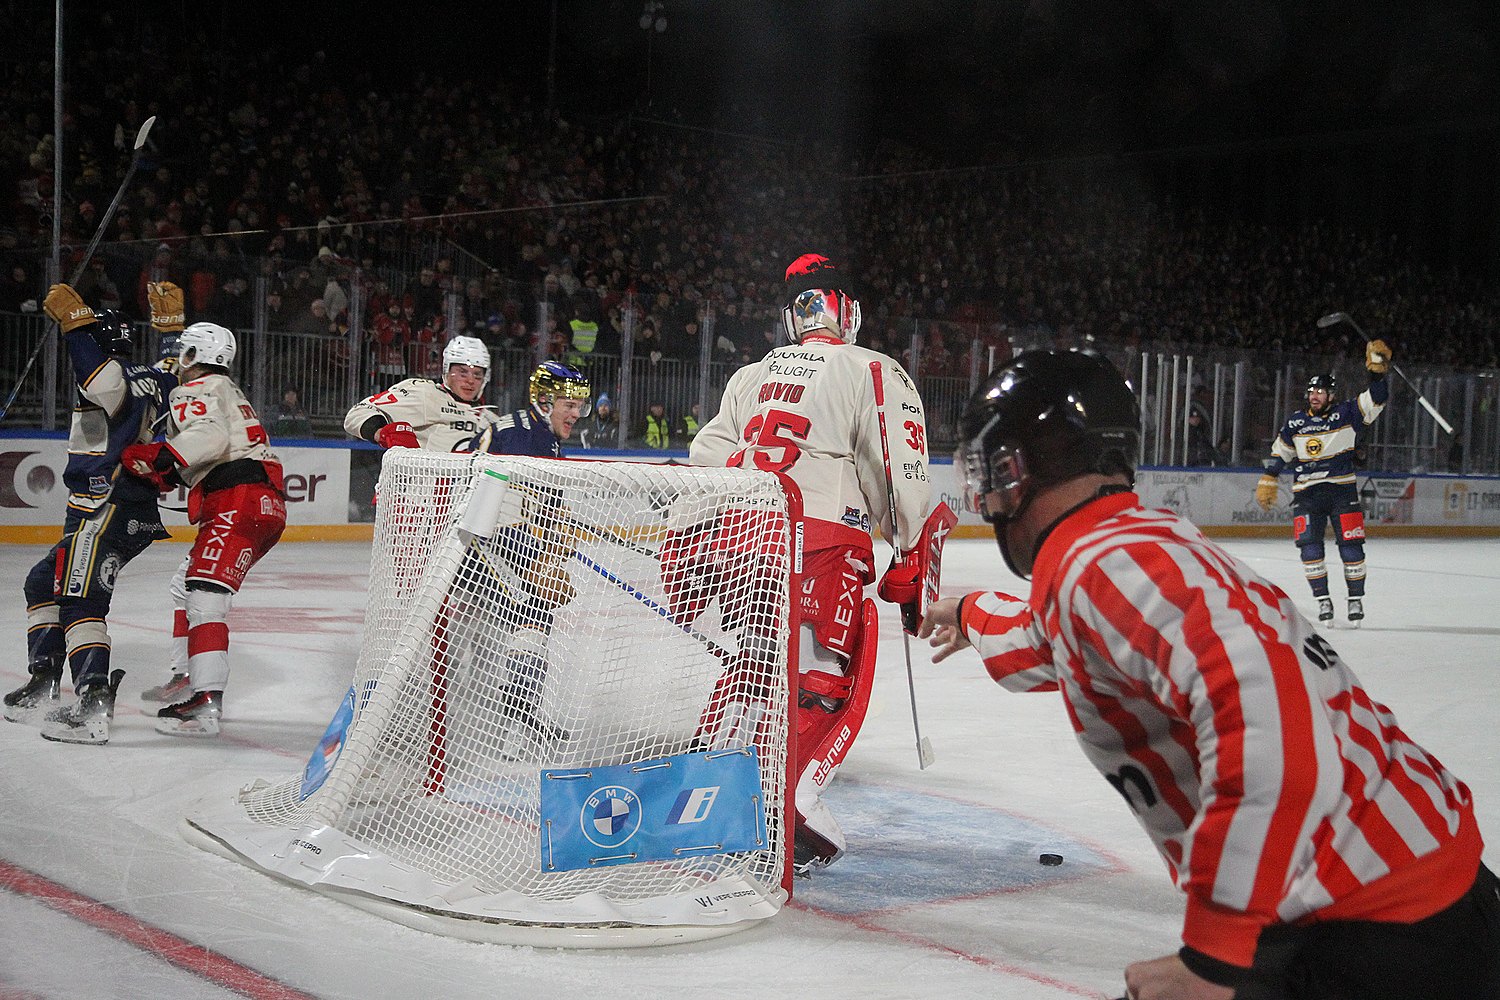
column 611, row 815
column 855, row 518
column 1314, row 447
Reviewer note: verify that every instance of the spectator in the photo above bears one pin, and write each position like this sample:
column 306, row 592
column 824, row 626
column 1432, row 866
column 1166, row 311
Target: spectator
column 601, row 429
column 687, row 425
column 288, row 418
column 657, row 433
column 19, row 292
column 392, row 335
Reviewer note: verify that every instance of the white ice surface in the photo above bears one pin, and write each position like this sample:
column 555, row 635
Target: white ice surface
column 940, row 896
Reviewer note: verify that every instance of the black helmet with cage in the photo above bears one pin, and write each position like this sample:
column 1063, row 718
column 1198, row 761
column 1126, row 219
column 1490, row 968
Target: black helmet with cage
column 1043, row 418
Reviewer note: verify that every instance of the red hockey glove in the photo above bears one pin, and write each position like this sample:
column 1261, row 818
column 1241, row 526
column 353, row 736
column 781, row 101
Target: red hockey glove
column 397, row 435
column 153, row 462
column 902, row 583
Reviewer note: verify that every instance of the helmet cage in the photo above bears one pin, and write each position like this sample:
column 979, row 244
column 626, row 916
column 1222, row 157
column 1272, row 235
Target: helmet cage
column 827, row 309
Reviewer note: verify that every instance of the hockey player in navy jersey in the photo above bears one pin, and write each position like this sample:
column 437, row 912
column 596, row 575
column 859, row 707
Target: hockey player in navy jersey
column 1318, row 444
column 559, row 399
column 111, row 517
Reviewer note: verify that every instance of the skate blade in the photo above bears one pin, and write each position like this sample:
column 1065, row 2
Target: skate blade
column 30, row 715
column 190, row 727
column 86, row 735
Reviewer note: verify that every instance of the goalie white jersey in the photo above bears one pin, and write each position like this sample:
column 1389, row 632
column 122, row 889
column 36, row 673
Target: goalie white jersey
column 210, row 423
column 808, row 410
column 440, row 420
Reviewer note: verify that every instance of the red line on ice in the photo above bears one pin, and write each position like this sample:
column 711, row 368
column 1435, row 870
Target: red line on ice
column 168, row 947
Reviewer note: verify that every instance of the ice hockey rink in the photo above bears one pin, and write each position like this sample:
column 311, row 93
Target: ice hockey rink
column 940, row 895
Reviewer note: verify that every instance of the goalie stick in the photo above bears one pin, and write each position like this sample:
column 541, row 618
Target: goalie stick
column 925, row 755
column 709, row 644
column 1339, row 317
column 88, row 255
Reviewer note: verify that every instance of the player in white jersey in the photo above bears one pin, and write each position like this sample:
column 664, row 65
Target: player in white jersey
column 215, row 445
column 421, row 413
column 808, row 410
column 1323, row 852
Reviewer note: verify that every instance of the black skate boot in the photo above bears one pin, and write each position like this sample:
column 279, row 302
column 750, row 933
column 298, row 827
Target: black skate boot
column 1325, row 611
column 177, row 688
column 87, row 720
column 1356, row 611
column 198, row 716
column 39, row 695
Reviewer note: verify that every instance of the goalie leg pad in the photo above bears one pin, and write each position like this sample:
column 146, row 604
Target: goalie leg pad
column 825, row 734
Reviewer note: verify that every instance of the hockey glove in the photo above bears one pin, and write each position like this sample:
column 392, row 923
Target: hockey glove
column 167, row 313
column 397, row 435
column 1377, row 357
column 153, row 462
column 67, row 309
column 902, row 582
column 1265, row 491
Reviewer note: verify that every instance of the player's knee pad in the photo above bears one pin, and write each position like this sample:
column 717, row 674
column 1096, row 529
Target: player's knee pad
column 831, row 709
column 207, row 602
column 86, row 632
column 1354, row 561
column 1313, row 564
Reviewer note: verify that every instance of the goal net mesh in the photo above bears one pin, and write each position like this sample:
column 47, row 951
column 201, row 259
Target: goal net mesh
column 605, row 613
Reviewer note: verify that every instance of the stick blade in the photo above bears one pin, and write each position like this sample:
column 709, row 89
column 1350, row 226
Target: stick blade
column 925, row 757
column 140, row 137
column 1326, row 321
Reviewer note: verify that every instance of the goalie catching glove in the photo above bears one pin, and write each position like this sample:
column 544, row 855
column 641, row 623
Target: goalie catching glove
column 153, row 462
column 1377, row 357
column 397, row 435
column 1265, row 491
column 66, row 308
column 167, row 312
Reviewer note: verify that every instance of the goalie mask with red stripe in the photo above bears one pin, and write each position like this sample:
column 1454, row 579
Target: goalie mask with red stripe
column 819, row 300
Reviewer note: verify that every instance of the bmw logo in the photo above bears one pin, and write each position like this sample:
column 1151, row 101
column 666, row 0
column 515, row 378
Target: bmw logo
column 610, row 816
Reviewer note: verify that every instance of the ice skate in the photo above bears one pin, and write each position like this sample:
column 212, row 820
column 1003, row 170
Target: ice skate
column 178, row 687
column 38, row 696
column 86, row 720
column 197, row 716
column 1356, row 611
column 811, row 852
column 1325, row 611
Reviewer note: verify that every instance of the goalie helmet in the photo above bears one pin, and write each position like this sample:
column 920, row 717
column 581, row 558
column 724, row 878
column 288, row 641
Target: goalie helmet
column 467, row 351
column 112, row 333
column 1043, row 418
column 819, row 298
column 205, row 344
column 553, row 380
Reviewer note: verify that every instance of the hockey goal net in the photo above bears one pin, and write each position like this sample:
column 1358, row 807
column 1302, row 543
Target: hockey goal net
column 569, row 720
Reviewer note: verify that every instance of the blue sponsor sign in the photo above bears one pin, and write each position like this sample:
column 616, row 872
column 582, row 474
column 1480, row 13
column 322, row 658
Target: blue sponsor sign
column 321, row 761
column 687, row 805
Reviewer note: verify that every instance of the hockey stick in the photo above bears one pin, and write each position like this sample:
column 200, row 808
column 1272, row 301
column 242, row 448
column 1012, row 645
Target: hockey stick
column 925, row 756
column 709, row 644
column 88, row 255
column 1338, row 317
column 605, row 535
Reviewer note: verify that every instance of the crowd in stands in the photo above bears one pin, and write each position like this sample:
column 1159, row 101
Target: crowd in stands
column 455, row 205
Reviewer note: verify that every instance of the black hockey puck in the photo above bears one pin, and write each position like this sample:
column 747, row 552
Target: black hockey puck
column 1050, row 860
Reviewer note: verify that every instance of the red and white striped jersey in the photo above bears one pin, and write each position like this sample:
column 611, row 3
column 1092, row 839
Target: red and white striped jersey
column 1274, row 787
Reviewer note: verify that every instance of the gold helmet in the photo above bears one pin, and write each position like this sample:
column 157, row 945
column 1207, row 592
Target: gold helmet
column 554, row 380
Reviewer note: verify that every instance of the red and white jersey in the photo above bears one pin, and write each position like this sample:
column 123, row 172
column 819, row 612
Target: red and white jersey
column 439, row 419
column 808, row 410
column 210, row 422
column 1163, row 646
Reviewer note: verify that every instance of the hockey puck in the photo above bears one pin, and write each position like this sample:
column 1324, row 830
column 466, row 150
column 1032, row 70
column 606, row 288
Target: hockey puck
column 1050, row 860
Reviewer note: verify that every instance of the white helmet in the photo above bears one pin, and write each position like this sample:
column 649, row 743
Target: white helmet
column 205, row 344
column 467, row 351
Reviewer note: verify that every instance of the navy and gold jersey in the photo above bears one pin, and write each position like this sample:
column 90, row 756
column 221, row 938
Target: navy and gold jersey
column 1320, row 449
column 119, row 404
column 521, row 432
